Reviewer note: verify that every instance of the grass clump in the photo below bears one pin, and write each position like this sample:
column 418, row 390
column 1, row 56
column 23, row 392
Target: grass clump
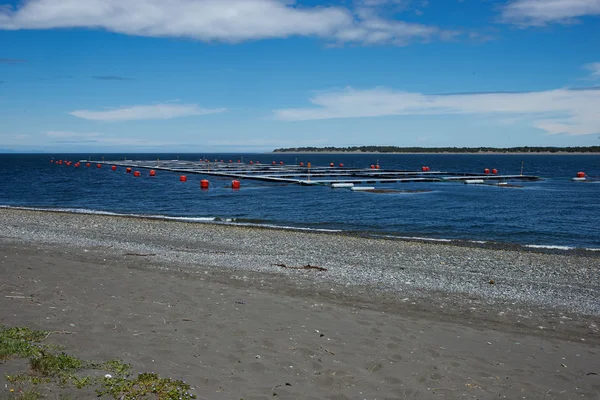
column 146, row 384
column 24, row 378
column 48, row 364
column 25, row 394
column 117, row 367
column 20, row 342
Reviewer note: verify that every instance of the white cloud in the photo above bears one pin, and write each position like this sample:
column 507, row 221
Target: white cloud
column 155, row 111
column 543, row 12
column 64, row 134
column 594, row 68
column 217, row 20
column 573, row 112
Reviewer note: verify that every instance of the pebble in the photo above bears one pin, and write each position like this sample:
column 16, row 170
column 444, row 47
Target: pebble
column 414, row 269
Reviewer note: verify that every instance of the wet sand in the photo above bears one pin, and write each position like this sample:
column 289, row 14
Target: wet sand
column 216, row 312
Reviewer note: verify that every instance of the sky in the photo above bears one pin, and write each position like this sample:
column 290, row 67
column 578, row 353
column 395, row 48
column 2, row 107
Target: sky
column 255, row 75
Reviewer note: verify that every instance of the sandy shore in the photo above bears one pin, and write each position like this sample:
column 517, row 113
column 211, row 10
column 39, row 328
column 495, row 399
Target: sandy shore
column 388, row 319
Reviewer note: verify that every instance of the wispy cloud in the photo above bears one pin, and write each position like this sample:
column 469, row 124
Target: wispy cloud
column 111, row 78
column 219, row 20
column 67, row 134
column 155, row 111
column 543, row 12
column 264, row 142
column 572, row 112
column 594, row 69
column 10, row 60
column 83, row 138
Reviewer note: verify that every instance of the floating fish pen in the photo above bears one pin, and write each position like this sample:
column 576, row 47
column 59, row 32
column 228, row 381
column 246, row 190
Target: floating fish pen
column 308, row 175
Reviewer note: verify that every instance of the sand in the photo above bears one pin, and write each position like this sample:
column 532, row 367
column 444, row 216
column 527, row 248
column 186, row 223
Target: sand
column 218, row 314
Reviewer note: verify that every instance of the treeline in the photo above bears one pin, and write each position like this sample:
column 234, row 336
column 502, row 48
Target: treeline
column 396, row 149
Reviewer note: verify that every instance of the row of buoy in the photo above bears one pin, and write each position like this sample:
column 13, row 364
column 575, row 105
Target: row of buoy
column 487, row 171
column 425, row 168
column 375, row 166
column 204, row 184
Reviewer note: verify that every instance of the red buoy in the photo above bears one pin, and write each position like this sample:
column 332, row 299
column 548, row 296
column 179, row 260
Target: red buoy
column 204, row 184
column 235, row 184
column 152, row 172
column 98, row 165
column 77, row 165
column 128, row 170
column 281, row 162
column 331, row 165
column 114, row 167
column 423, row 168
column 494, row 171
column 377, row 166
column 372, row 167
column 137, row 173
column 341, row 165
column 87, row 164
column 486, row 171
column 239, row 161
column 230, row 161
column 183, row 178
column 251, row 162
column 301, row 164
column 581, row 174
column 273, row 163
column 258, row 162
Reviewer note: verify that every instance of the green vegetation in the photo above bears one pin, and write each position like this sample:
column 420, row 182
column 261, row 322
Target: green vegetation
column 48, row 364
column 50, row 367
column 26, row 394
column 396, row 149
column 20, row 342
column 145, row 383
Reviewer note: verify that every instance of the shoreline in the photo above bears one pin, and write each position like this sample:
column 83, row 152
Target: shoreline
column 213, row 305
column 561, row 153
column 371, row 264
column 460, row 242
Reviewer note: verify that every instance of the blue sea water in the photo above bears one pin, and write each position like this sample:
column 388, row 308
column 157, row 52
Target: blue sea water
column 554, row 211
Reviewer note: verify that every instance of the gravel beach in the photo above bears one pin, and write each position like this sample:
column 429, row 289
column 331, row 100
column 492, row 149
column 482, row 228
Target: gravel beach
column 234, row 311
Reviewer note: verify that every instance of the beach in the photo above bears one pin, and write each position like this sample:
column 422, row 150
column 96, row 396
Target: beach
column 255, row 313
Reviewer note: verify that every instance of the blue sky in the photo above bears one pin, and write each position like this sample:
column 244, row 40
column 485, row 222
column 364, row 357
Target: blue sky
column 254, row 75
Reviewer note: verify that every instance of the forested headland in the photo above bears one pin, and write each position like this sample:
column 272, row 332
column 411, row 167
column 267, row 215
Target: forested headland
column 397, row 149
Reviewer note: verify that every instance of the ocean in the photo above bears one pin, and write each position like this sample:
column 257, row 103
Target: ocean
column 554, row 212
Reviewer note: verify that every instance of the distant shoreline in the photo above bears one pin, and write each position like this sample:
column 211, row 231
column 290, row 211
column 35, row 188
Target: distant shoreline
column 449, row 153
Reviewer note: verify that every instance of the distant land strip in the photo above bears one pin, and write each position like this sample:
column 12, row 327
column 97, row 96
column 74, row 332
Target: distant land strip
column 396, row 149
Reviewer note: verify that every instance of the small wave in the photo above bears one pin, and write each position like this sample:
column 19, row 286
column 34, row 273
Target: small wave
column 114, row 214
column 552, row 247
column 223, row 221
column 291, row 228
column 266, row 224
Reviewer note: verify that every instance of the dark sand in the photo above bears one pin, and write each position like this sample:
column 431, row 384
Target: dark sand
column 261, row 338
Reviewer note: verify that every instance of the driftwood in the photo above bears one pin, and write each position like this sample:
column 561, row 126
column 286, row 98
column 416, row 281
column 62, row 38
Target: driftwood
column 307, row 266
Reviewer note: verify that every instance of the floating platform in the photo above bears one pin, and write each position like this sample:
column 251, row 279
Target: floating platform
column 303, row 175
